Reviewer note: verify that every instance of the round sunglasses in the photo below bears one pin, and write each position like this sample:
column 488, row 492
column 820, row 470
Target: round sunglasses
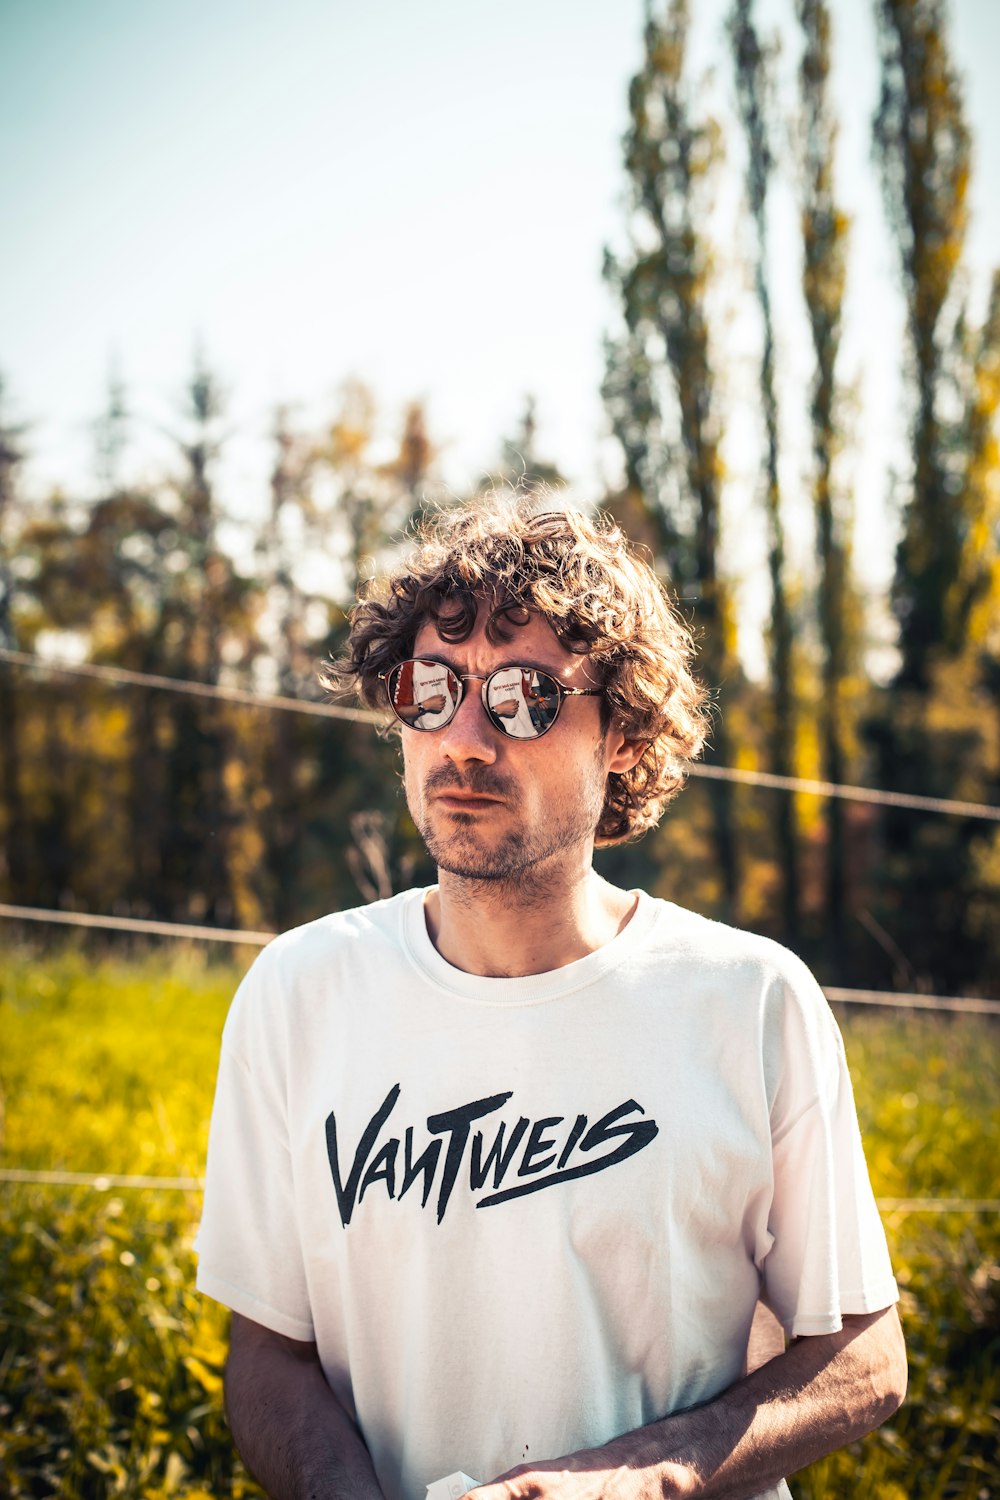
column 522, row 702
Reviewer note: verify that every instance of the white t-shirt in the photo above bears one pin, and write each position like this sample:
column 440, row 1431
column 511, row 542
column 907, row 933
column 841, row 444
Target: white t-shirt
column 522, row 1216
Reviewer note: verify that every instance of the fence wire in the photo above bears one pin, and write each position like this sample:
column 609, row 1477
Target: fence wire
column 121, row 676
column 970, row 1004
column 104, row 1182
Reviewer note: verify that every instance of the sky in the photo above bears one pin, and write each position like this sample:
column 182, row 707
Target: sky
column 415, row 195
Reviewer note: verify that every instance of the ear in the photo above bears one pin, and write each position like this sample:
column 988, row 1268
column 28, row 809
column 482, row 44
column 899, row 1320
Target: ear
column 623, row 753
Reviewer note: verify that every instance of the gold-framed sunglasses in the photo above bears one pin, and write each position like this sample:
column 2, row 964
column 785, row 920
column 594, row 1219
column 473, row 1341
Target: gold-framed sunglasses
column 523, row 702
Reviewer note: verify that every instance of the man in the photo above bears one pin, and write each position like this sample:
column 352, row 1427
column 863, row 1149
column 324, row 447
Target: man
column 499, row 1170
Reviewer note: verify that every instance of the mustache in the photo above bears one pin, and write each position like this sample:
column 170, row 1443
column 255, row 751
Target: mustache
column 480, row 780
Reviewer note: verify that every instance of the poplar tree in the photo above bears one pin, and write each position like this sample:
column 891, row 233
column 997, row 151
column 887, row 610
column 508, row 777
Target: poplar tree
column 933, row 734
column 923, row 147
column 970, row 606
column 825, row 235
column 660, row 382
column 753, row 93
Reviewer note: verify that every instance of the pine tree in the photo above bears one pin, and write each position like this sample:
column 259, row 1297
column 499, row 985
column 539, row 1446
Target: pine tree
column 289, row 745
column 15, row 841
column 205, row 613
column 521, row 464
column 111, row 434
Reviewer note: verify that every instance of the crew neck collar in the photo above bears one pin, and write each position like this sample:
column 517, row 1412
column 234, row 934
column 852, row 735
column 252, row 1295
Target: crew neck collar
column 528, row 989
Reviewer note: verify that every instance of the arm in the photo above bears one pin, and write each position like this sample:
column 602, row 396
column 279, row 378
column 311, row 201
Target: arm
column 290, row 1429
column 824, row 1391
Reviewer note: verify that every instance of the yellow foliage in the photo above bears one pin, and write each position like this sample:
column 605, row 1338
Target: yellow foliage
column 747, row 755
column 211, row 1380
column 809, row 808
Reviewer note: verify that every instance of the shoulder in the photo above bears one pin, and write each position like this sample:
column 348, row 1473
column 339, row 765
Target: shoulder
column 340, row 931
column 716, row 947
column 742, row 973
column 309, row 966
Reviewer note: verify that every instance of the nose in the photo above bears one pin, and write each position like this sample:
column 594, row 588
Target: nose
column 469, row 735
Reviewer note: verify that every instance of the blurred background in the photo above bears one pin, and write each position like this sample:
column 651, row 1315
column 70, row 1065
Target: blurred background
column 274, row 279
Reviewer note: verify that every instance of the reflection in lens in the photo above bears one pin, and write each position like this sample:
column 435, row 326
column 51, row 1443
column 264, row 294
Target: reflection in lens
column 424, row 694
column 543, row 701
column 523, row 702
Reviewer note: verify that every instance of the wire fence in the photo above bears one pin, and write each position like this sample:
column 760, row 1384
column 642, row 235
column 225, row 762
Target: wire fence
column 871, row 795
column 958, row 1004
column 137, row 925
column 125, row 677
column 104, row 1182
column 970, row 1004
column 121, row 676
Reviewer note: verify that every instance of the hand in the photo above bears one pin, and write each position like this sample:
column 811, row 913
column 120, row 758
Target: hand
column 822, row 1392
column 593, row 1474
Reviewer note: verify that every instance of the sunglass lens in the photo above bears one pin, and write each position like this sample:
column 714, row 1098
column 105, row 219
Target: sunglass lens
column 423, row 694
column 522, row 702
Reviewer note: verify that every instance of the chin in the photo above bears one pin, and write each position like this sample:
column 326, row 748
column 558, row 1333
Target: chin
column 503, row 864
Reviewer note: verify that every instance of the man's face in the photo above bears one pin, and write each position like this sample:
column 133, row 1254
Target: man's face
column 491, row 807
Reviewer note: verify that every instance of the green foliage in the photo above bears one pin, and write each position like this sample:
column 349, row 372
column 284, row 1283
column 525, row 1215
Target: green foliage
column 147, row 803
column 924, row 149
column 660, row 382
column 825, row 232
column 928, row 1093
column 869, row 899
column 112, row 1365
column 753, row 65
column 111, row 1372
column 937, row 723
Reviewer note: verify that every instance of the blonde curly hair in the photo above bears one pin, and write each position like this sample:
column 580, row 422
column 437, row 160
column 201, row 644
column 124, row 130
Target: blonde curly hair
column 601, row 600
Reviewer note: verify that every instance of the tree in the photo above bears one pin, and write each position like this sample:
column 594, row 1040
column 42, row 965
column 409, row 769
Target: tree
column 360, row 506
column 660, row 383
column 932, row 733
column 292, row 624
column 111, row 434
column 356, row 501
column 968, row 612
column 753, row 90
column 521, row 464
column 207, row 617
column 11, row 458
column 825, row 232
column 413, row 465
column 923, row 147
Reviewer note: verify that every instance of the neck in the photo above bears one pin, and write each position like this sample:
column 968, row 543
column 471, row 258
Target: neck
column 543, row 920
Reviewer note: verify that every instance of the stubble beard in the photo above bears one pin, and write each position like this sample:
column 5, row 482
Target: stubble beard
column 517, row 861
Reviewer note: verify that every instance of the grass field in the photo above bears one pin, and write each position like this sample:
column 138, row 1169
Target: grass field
column 111, row 1365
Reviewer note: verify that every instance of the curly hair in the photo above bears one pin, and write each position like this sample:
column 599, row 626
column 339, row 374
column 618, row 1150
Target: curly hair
column 601, row 600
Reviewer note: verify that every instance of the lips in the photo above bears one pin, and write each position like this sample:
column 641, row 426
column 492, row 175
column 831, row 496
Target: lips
column 466, row 801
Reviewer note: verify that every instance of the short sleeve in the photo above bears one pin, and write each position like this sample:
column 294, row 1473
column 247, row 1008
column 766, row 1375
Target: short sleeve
column 828, row 1255
column 249, row 1253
